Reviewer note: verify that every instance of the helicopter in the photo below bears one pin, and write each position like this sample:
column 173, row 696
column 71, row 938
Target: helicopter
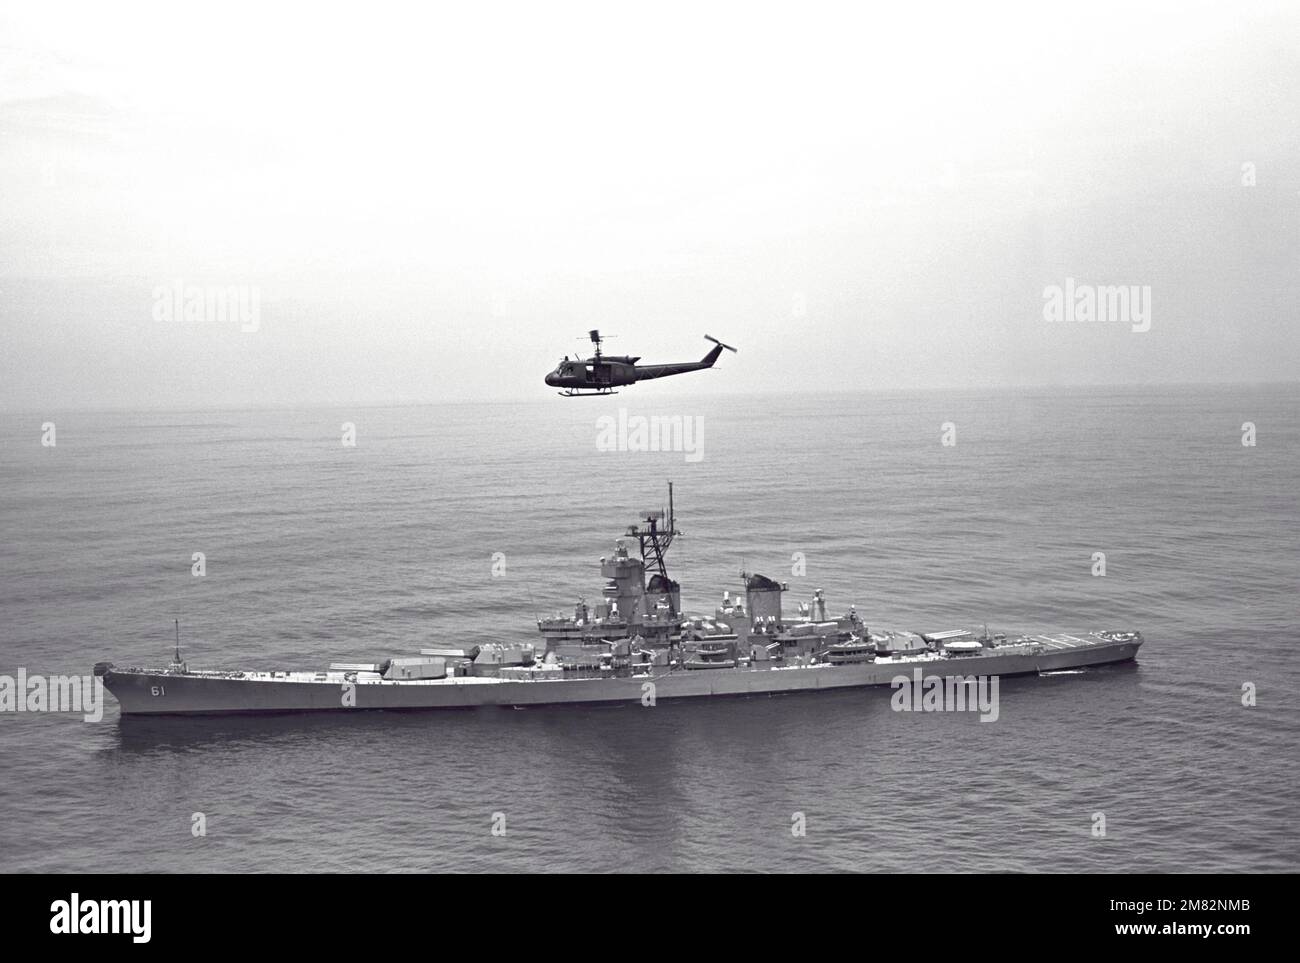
column 601, row 373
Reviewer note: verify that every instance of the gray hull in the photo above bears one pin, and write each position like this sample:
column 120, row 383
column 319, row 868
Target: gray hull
column 162, row 692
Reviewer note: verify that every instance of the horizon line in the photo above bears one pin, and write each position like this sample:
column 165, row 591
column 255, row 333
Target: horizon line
column 772, row 392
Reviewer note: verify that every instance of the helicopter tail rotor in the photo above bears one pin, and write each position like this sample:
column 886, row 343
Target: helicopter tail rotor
column 709, row 337
column 713, row 355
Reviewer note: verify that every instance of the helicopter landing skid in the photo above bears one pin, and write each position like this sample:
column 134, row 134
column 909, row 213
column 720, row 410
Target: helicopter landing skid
column 571, row 393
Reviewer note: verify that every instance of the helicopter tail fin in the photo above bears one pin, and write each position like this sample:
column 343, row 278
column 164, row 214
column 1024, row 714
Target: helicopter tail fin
column 712, row 356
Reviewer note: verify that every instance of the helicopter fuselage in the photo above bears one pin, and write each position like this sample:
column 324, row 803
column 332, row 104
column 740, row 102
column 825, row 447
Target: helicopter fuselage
column 593, row 374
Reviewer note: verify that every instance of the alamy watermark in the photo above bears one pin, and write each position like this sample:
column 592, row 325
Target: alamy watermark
column 53, row 693
column 75, row 915
column 932, row 693
column 684, row 433
column 1115, row 303
column 209, row 304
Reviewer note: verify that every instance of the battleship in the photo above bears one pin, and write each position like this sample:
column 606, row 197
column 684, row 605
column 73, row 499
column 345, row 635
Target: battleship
column 635, row 645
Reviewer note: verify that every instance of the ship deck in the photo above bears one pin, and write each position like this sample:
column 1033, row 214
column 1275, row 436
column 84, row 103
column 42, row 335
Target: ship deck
column 1020, row 644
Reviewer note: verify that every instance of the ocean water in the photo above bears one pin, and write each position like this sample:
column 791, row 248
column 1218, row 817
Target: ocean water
column 318, row 552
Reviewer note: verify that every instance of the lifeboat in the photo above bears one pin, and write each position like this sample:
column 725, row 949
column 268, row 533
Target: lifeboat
column 854, row 650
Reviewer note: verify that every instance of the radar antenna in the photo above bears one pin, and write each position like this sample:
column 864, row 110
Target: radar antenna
column 654, row 540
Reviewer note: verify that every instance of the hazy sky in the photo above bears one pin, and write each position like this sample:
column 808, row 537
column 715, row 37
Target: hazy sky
column 437, row 201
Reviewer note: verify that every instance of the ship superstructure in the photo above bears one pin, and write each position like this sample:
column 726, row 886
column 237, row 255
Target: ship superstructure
column 631, row 604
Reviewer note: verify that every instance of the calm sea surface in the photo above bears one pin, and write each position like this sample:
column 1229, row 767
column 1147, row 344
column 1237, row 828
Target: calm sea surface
column 318, row 552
